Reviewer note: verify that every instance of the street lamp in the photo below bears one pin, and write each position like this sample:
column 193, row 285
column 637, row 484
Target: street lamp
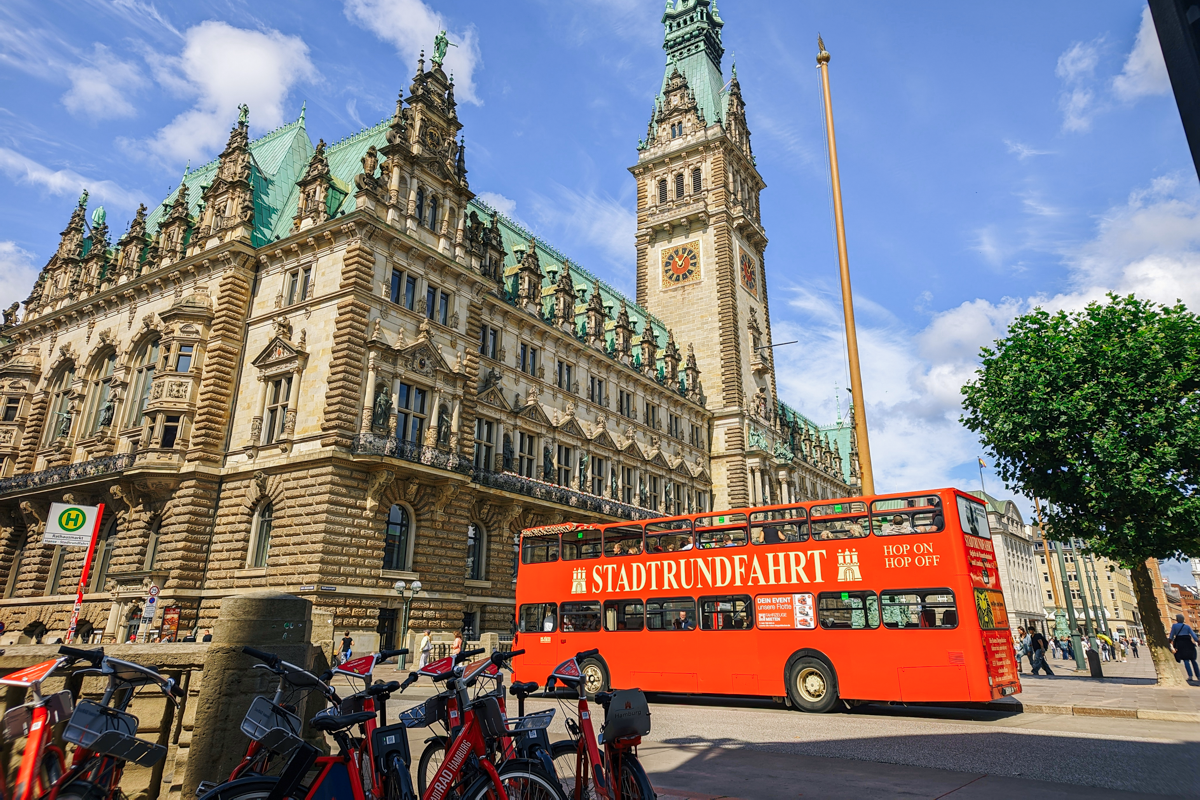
column 400, row 587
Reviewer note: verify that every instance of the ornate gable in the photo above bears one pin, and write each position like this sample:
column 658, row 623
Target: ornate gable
column 533, row 412
column 423, row 358
column 280, row 355
column 603, row 439
column 570, row 427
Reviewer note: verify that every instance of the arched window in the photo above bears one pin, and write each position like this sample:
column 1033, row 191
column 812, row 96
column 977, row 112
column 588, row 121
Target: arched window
column 662, row 190
column 476, row 547
column 260, row 541
column 58, row 416
column 678, row 185
column 697, row 180
column 139, row 388
column 103, row 556
column 396, row 538
column 433, row 213
column 99, row 395
column 421, row 206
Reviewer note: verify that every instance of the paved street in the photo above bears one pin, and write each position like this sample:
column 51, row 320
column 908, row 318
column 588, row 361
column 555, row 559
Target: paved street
column 717, row 747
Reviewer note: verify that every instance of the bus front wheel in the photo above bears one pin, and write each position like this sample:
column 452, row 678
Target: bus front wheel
column 811, row 686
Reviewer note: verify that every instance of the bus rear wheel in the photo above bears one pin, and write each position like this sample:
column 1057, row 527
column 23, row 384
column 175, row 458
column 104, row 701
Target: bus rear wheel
column 811, row 686
column 595, row 677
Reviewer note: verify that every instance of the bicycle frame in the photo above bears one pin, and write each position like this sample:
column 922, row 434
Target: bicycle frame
column 469, row 741
column 39, row 728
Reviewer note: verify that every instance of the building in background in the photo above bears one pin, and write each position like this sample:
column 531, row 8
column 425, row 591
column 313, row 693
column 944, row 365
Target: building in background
column 327, row 368
column 1108, row 588
column 1012, row 541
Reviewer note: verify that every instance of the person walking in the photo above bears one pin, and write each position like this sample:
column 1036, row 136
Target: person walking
column 1133, row 647
column 426, row 649
column 1183, row 642
column 346, row 649
column 457, row 647
column 1038, row 642
column 1019, row 647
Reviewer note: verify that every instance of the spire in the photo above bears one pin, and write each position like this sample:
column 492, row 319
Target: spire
column 693, row 44
column 303, row 107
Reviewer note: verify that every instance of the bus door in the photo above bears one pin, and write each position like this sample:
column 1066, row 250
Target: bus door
column 538, row 622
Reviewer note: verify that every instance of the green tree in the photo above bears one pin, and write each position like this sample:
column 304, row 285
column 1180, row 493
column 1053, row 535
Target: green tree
column 1098, row 411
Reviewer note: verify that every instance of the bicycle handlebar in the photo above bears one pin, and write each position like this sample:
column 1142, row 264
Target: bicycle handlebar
column 409, row 681
column 270, row 659
column 499, row 657
column 384, row 655
column 465, row 654
column 94, row 657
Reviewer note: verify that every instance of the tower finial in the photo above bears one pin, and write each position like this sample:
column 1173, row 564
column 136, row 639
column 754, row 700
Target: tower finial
column 303, row 108
column 823, row 56
column 187, row 168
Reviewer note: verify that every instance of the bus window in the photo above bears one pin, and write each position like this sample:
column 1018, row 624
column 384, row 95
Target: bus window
column 918, row 608
column 623, row 540
column 581, row 544
column 973, row 516
column 840, row 521
column 848, row 610
column 721, row 530
column 779, row 527
column 671, row 614
column 667, row 537
column 536, row 617
column 729, row 613
column 539, row 549
column 624, row 615
column 582, row 616
column 907, row 515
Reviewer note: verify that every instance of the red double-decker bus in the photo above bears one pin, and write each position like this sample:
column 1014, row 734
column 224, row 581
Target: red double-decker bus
column 886, row 598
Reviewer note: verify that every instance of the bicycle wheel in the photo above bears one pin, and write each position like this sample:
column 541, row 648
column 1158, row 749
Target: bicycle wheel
column 565, row 755
column 256, row 787
column 522, row 780
column 431, row 761
column 635, row 784
column 82, row 790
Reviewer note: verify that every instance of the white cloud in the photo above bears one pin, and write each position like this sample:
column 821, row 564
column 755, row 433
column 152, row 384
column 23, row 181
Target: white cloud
column 1024, row 151
column 100, row 86
column 63, row 182
column 589, row 217
column 1077, row 67
column 505, row 205
column 1149, row 245
column 222, row 67
column 410, row 26
column 17, row 273
column 1145, row 72
column 1079, row 61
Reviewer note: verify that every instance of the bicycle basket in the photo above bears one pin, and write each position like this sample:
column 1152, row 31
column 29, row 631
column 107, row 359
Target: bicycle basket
column 537, row 721
column 628, row 715
column 491, row 718
column 425, row 714
column 275, row 728
column 17, row 720
column 110, row 732
column 390, row 740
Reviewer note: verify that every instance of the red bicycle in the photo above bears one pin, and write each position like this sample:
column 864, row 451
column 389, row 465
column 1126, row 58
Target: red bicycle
column 584, row 770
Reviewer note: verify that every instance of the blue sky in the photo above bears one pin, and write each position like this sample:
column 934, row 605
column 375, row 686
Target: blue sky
column 994, row 156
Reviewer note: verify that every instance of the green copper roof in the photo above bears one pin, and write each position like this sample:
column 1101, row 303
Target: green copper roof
column 838, row 432
column 693, row 43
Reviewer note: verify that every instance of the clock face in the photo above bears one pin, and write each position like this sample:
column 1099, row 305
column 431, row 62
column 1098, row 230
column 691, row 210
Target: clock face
column 749, row 271
column 680, row 264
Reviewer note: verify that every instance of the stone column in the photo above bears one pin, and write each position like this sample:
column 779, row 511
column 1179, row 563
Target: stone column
column 369, row 395
column 754, row 487
column 269, row 620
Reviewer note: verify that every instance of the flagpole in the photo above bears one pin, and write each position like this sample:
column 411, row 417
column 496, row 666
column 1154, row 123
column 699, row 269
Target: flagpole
column 83, row 576
column 982, row 488
column 860, row 409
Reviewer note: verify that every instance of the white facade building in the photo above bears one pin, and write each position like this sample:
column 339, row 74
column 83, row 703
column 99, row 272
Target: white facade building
column 1012, row 540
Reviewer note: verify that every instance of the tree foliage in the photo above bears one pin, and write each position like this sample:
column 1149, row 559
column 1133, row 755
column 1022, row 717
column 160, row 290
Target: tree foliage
column 1098, row 411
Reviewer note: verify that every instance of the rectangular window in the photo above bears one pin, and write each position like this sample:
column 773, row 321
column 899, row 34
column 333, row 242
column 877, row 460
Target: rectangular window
column 485, row 443
column 650, row 415
column 653, row 484
column 674, row 425
column 525, row 454
column 599, row 473
column 848, row 610
column 721, row 530
column 696, row 435
column 728, row 613
column 397, row 286
column 779, row 527
column 566, row 376
column 581, row 616
column 539, row 549
column 1045, row 577
column 972, row 514
column 183, row 362
column 907, row 515
column 919, row 608
column 12, row 406
column 625, row 404
column 443, row 309
column 527, row 359
column 537, row 618
column 431, row 294
column 624, row 615
column 170, row 431
column 297, row 288
column 410, row 293
column 671, row 614
column 489, row 339
column 596, row 390
column 669, row 536
column 279, row 392
column 697, row 180
column 564, row 465
column 679, row 184
column 839, row 521
column 623, row 540
column 411, row 413
column 627, row 485
column 580, row 544
column 1049, row 595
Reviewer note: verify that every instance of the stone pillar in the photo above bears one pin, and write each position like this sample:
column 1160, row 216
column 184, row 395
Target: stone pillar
column 273, row 621
column 754, row 487
column 369, row 396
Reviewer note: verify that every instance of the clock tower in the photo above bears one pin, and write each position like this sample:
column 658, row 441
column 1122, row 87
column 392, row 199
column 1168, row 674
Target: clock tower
column 700, row 240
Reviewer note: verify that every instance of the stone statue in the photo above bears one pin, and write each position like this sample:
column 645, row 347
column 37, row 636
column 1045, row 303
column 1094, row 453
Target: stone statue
column 243, row 114
column 370, row 162
column 508, row 453
column 547, row 465
column 106, row 412
column 64, row 427
column 10, row 315
column 583, row 470
column 383, row 410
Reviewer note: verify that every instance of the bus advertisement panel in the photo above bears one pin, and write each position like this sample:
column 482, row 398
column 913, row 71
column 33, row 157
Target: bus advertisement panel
column 854, row 599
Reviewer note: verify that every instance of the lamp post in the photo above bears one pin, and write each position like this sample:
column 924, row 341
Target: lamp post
column 400, row 587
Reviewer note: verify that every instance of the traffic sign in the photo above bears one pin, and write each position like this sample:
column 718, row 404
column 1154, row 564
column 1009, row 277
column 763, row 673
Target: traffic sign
column 70, row 525
column 154, row 591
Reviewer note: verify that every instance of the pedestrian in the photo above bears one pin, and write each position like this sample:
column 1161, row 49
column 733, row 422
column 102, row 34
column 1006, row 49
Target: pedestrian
column 207, row 637
column 457, row 647
column 1133, row 647
column 1019, row 646
column 346, row 650
column 1183, row 642
column 1068, row 649
column 426, row 649
column 1038, row 660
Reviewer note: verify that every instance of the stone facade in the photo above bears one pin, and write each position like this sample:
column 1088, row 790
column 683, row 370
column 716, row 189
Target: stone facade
column 325, row 369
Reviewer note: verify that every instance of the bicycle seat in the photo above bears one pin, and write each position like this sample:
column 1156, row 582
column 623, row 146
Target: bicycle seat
column 528, row 688
column 330, row 721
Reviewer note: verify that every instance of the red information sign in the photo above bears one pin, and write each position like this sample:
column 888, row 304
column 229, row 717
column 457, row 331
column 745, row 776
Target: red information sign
column 784, row 611
column 981, row 562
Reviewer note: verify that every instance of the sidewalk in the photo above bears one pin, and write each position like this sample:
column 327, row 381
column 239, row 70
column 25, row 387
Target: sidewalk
column 1128, row 689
